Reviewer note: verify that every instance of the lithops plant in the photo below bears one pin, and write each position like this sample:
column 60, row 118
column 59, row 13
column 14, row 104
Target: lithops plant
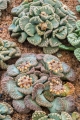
column 41, row 115
column 43, row 23
column 8, row 50
column 3, row 5
column 5, row 111
column 74, row 40
column 78, row 6
column 28, row 83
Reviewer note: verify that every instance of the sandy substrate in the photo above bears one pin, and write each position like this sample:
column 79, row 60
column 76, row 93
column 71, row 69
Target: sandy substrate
column 67, row 57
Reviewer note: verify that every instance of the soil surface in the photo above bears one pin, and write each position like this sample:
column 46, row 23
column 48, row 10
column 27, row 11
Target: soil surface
column 67, row 57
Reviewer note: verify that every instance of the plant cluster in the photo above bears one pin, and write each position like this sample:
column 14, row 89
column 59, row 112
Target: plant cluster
column 41, row 115
column 3, row 5
column 44, row 23
column 8, row 50
column 5, row 111
column 36, row 80
column 74, row 40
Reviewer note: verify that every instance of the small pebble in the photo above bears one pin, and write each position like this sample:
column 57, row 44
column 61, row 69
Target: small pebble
column 59, row 55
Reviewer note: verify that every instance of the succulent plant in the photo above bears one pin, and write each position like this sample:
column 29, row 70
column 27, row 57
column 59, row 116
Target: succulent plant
column 8, row 50
column 74, row 40
column 28, row 83
column 78, row 103
column 75, row 116
column 78, row 7
column 43, row 23
column 5, row 111
column 57, row 88
column 3, row 5
column 63, row 104
column 41, row 115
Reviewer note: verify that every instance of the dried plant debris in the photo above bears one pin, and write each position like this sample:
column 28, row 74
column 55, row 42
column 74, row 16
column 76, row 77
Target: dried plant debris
column 8, row 50
column 5, row 111
column 78, row 6
column 37, row 80
column 43, row 23
column 3, row 5
column 41, row 115
column 74, row 40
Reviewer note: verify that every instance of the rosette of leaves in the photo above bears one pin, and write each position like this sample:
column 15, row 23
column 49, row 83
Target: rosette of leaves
column 41, row 115
column 3, row 5
column 28, row 82
column 74, row 40
column 5, row 111
column 8, row 50
column 78, row 6
column 43, row 23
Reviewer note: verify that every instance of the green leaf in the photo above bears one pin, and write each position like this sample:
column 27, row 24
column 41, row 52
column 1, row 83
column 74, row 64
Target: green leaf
column 55, row 23
column 77, row 54
column 23, row 21
column 30, row 29
column 23, row 37
column 50, row 50
column 35, row 40
column 73, row 39
column 62, row 32
column 54, row 42
column 78, row 8
column 35, row 20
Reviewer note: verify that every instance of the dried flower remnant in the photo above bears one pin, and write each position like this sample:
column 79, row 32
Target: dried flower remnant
column 44, row 14
column 43, row 26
